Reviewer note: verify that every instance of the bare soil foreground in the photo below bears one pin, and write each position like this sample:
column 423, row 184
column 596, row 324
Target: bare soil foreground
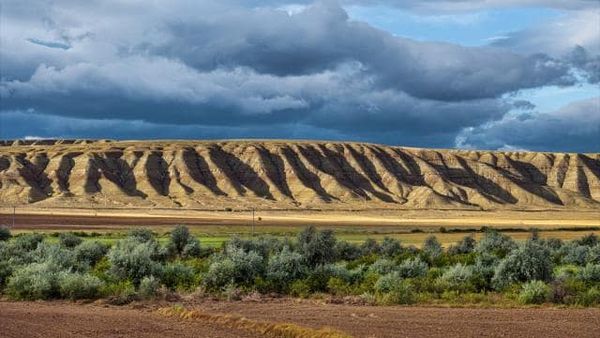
column 63, row 319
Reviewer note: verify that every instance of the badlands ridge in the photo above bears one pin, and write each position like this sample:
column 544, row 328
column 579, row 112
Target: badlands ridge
column 218, row 175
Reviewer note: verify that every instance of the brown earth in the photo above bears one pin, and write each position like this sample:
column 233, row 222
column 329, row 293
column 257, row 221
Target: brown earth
column 292, row 175
column 63, row 319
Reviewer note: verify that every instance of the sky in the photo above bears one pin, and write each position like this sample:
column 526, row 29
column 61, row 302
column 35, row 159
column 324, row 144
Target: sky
column 478, row 74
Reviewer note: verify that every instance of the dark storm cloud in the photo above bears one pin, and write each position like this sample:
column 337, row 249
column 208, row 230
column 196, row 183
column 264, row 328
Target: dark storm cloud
column 588, row 64
column 200, row 69
column 322, row 36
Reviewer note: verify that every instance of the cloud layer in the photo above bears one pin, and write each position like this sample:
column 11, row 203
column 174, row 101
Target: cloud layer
column 204, row 68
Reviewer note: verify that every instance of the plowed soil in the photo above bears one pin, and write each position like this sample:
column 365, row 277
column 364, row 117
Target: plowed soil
column 58, row 319
column 63, row 319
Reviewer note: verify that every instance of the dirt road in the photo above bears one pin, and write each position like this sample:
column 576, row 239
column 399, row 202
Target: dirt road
column 110, row 219
column 63, row 319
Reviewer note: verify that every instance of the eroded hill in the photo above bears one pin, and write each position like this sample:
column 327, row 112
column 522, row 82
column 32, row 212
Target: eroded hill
column 290, row 174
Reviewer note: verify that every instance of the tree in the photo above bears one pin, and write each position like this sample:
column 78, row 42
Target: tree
column 432, row 247
column 183, row 244
column 465, row 246
column 4, row 233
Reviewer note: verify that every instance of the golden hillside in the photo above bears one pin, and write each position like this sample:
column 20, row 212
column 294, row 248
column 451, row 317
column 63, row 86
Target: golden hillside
column 290, row 175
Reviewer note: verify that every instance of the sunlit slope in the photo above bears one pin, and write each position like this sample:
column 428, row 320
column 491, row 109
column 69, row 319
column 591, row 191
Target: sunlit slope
column 290, row 174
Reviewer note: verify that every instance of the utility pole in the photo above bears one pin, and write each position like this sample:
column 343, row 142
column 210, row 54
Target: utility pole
column 252, row 221
column 14, row 215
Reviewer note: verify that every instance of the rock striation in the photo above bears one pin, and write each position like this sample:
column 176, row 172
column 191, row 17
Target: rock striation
column 290, row 175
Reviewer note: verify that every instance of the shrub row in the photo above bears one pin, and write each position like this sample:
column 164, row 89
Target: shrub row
column 387, row 272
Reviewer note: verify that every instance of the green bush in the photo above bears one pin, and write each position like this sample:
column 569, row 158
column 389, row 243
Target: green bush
column 530, row 262
column 564, row 290
column 575, row 254
column 78, row 285
column 432, row 247
column 131, row 259
column 90, row 252
column 285, row 267
column 57, row 255
column 263, row 245
column 179, row 238
column 120, row 293
column 566, row 271
column 340, row 270
column 589, row 240
column 594, row 255
column 553, row 244
column 465, row 246
column 34, row 281
column 149, row 287
column 300, row 288
column 141, row 235
column 220, row 273
column 19, row 250
column 338, row 287
column 589, row 297
column 390, row 247
column 236, row 266
column 5, row 234
column 317, row 247
column 369, row 247
column 27, row 242
column 401, row 293
column 69, row 240
column 319, row 276
column 192, row 249
column 590, row 273
column 5, row 272
column 178, row 276
column 366, row 284
column 388, row 282
column 534, row 292
column 383, row 266
column 459, row 277
column 346, row 251
column 182, row 244
column 495, row 243
column 412, row 268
